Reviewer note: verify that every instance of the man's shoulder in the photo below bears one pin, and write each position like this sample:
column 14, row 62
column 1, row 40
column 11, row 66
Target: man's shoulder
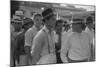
column 31, row 30
column 41, row 35
column 20, row 35
column 86, row 34
column 71, row 35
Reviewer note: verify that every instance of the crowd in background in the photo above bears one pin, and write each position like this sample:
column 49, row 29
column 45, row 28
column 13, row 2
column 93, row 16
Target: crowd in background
column 44, row 39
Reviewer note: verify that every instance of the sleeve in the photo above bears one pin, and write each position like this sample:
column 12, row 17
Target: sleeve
column 17, row 38
column 90, row 46
column 64, row 50
column 28, row 38
column 91, row 36
column 36, row 49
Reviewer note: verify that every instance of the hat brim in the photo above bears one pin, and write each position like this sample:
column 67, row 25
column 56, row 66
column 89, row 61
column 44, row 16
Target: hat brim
column 77, row 22
column 48, row 15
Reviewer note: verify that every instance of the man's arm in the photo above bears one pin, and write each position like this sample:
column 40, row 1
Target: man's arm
column 89, row 44
column 64, row 50
column 90, row 47
column 28, row 38
column 27, row 41
column 36, row 49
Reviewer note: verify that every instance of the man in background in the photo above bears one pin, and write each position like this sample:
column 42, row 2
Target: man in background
column 22, row 25
column 90, row 30
column 16, row 29
column 43, row 48
column 58, row 39
column 76, row 47
column 30, row 34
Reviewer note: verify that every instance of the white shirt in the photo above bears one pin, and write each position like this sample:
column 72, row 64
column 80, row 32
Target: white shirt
column 56, row 36
column 64, row 35
column 43, row 46
column 51, row 39
column 91, row 34
column 29, row 35
column 77, row 46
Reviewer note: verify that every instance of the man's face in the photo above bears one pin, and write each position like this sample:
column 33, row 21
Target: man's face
column 77, row 27
column 38, row 21
column 59, row 27
column 90, row 25
column 18, row 26
column 67, row 27
column 51, row 22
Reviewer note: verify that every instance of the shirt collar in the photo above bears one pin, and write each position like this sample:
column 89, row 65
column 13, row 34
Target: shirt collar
column 36, row 27
column 87, row 29
column 45, row 28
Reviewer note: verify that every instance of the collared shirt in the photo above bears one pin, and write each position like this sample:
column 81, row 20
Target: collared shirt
column 42, row 45
column 50, row 36
column 51, row 39
column 56, row 37
column 64, row 35
column 91, row 34
column 77, row 46
column 30, row 35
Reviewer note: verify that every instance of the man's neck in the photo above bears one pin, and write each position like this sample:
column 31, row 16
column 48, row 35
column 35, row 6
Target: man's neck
column 37, row 27
column 58, row 32
column 50, row 29
column 78, row 32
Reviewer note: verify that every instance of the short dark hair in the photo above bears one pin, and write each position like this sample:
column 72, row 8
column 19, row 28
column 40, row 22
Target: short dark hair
column 47, row 18
column 89, row 19
column 37, row 15
column 59, row 21
column 83, row 26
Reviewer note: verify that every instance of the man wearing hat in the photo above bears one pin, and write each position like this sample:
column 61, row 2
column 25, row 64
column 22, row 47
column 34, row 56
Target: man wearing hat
column 43, row 48
column 76, row 47
column 16, row 22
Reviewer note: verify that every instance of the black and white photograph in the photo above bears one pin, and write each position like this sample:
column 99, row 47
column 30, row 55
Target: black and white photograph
column 43, row 33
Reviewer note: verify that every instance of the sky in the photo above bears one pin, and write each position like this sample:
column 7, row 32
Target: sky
column 87, row 7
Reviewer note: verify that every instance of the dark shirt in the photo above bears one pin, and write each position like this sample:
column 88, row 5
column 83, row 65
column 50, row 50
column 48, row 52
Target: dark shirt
column 58, row 45
column 20, row 40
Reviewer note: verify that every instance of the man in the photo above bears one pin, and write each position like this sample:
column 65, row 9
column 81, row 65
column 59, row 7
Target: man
column 77, row 46
column 43, row 48
column 58, row 39
column 68, row 30
column 30, row 34
column 19, row 41
column 16, row 25
column 89, row 29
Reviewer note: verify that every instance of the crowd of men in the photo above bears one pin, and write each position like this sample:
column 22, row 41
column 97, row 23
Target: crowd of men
column 46, row 40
